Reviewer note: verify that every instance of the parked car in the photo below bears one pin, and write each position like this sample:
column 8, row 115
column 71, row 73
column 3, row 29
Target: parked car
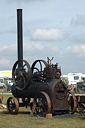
column 2, row 85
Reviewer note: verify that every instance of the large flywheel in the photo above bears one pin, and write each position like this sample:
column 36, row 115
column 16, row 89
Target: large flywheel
column 42, row 104
column 21, row 74
column 38, row 66
column 37, row 70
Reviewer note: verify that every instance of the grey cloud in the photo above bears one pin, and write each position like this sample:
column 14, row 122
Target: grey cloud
column 79, row 38
column 8, row 57
column 78, row 20
column 71, row 58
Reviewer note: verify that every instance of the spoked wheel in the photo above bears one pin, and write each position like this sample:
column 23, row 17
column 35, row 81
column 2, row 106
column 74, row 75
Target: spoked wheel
column 72, row 102
column 21, row 74
column 12, row 105
column 38, row 66
column 81, row 108
column 42, row 104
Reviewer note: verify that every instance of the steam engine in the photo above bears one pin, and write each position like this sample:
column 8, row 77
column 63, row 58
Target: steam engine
column 39, row 86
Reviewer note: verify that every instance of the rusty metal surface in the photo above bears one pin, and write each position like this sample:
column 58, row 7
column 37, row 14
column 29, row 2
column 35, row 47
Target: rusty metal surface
column 43, row 81
column 59, row 97
column 73, row 102
column 81, row 99
column 12, row 105
column 48, row 101
column 41, row 104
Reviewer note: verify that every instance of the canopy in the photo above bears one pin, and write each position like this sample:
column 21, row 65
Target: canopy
column 6, row 73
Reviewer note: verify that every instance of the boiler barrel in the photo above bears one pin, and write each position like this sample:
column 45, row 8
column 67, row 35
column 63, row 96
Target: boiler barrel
column 31, row 91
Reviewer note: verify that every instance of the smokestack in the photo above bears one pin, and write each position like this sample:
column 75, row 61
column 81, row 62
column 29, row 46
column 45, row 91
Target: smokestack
column 19, row 35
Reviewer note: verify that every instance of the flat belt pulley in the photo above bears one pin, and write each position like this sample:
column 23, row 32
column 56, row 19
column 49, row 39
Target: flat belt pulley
column 38, row 66
column 21, row 74
column 37, row 70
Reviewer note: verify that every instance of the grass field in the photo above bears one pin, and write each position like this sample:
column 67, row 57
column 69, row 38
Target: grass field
column 23, row 120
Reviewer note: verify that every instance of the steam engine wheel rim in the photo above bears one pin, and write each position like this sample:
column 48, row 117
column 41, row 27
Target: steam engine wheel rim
column 43, row 104
column 12, row 105
column 81, row 108
column 21, row 77
column 40, row 62
column 74, row 103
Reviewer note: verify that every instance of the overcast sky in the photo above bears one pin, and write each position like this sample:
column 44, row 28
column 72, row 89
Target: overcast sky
column 51, row 28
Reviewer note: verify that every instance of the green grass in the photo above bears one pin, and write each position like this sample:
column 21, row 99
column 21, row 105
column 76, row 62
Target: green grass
column 23, row 120
column 5, row 97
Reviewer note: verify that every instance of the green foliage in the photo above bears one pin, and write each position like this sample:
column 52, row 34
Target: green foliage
column 6, row 82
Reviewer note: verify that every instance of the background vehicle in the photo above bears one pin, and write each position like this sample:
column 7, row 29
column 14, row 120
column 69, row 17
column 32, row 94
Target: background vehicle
column 81, row 86
column 2, row 85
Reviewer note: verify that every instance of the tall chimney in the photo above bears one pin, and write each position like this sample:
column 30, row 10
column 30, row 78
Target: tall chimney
column 19, row 35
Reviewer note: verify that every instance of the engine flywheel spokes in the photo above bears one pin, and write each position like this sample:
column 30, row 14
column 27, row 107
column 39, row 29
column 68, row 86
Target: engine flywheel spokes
column 42, row 104
column 38, row 66
column 21, row 74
